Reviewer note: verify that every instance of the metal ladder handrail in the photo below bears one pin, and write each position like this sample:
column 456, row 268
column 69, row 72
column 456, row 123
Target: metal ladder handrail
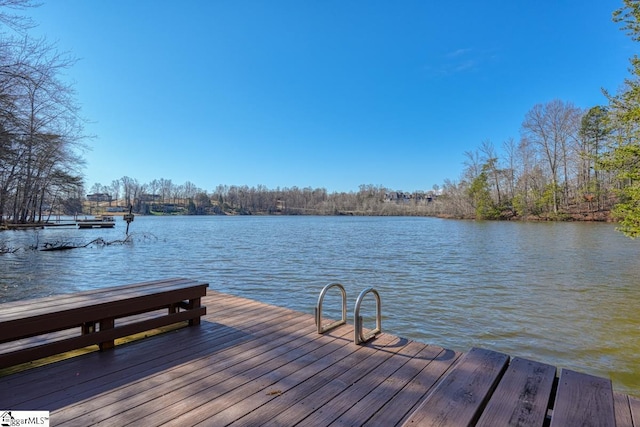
column 318, row 312
column 358, row 337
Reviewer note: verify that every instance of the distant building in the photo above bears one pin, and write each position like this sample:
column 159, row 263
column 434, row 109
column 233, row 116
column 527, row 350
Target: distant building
column 418, row 197
column 146, row 197
column 99, row 197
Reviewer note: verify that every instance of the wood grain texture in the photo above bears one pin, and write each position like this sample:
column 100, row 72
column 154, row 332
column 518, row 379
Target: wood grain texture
column 522, row 397
column 583, row 400
column 623, row 410
column 459, row 398
column 634, row 405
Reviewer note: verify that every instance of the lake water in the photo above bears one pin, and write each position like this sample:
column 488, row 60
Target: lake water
column 563, row 293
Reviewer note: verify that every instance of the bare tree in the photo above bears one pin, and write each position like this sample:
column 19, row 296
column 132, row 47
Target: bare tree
column 16, row 22
column 552, row 127
column 189, row 190
column 129, row 188
column 490, row 157
column 115, row 190
column 40, row 123
column 153, row 187
column 510, row 149
column 472, row 165
column 455, row 199
column 166, row 189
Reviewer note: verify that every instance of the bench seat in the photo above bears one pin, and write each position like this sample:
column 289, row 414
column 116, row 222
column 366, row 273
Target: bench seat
column 93, row 315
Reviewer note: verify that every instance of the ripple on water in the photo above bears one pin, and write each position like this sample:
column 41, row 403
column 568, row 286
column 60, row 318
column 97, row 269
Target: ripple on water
column 561, row 293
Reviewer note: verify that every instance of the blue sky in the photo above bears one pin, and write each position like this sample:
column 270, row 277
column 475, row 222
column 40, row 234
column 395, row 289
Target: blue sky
column 329, row 94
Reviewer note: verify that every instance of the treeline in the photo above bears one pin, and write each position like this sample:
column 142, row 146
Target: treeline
column 568, row 163
column 369, row 200
column 40, row 129
column 556, row 170
column 163, row 196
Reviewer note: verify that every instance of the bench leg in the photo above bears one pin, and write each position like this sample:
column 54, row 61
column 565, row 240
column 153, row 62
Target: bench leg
column 173, row 308
column 88, row 328
column 194, row 303
column 104, row 325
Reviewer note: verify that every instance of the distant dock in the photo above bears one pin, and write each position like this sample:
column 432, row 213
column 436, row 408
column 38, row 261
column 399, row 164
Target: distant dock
column 97, row 222
column 250, row 363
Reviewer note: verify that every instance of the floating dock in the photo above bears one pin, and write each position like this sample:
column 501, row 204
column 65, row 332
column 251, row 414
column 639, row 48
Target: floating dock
column 250, row 364
column 97, row 222
column 80, row 223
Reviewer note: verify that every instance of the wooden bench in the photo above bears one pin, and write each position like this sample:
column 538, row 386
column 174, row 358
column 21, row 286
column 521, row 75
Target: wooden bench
column 93, row 315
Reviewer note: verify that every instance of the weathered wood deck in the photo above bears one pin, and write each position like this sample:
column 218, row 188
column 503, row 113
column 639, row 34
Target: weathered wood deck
column 250, row 363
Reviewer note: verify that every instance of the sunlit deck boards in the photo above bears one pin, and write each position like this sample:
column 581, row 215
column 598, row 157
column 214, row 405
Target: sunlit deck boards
column 250, row 363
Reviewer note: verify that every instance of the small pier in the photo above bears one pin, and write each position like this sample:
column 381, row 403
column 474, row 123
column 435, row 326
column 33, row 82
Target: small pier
column 97, row 222
column 248, row 363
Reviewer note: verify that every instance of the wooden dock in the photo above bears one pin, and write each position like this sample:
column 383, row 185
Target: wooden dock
column 250, row 364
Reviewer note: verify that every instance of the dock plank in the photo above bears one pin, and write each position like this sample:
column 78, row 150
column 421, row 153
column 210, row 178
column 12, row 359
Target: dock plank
column 179, row 368
column 459, row 398
column 308, row 385
column 351, row 405
column 271, row 386
column 623, row 410
column 583, row 400
column 169, row 391
column 318, row 400
column 383, row 390
column 430, row 371
column 634, row 405
column 522, row 396
column 219, row 390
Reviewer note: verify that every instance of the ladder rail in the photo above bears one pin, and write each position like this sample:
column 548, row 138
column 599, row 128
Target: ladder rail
column 359, row 337
column 318, row 311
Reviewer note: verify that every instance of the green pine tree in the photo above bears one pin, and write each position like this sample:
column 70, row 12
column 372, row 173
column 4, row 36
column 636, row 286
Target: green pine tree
column 623, row 157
